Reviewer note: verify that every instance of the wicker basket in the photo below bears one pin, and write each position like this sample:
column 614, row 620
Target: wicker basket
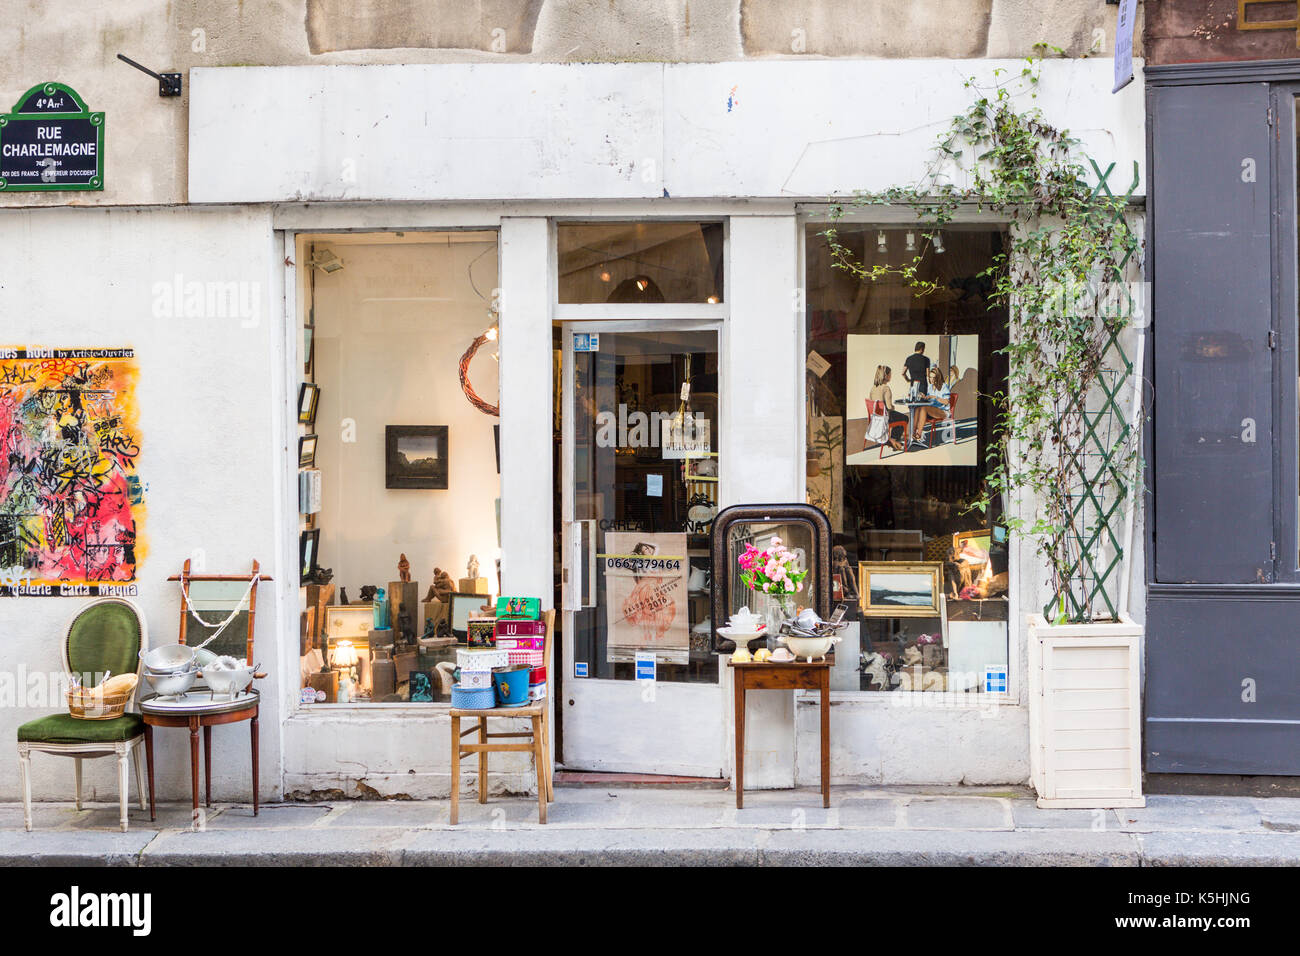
column 93, row 704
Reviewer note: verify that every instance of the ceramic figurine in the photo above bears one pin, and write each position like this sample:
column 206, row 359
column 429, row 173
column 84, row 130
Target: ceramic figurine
column 472, row 567
column 403, row 569
column 368, row 593
column 442, row 586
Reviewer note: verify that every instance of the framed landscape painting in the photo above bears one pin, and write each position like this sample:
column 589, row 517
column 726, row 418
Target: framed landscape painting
column 900, row 589
column 415, row 456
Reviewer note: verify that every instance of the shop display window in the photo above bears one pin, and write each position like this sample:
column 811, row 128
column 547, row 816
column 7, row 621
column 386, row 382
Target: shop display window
column 399, row 470
column 640, row 262
column 898, row 425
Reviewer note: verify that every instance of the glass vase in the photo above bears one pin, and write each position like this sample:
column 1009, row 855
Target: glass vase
column 776, row 609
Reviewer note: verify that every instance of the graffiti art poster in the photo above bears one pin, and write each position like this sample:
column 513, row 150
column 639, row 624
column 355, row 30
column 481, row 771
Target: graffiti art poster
column 71, row 502
column 645, row 595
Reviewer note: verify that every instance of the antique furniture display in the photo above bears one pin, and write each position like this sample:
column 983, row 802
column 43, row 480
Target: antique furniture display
column 768, row 675
column 234, row 597
column 106, row 636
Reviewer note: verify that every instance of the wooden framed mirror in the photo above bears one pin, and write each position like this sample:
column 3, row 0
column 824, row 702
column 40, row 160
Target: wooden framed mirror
column 801, row 527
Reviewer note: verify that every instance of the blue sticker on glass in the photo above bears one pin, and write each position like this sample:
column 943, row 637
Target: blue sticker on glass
column 579, row 668
column 995, row 679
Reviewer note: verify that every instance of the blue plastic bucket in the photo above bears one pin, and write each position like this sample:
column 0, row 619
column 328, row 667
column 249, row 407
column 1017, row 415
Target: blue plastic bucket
column 511, row 685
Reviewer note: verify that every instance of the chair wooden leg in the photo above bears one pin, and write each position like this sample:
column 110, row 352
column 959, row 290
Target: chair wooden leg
column 455, row 768
column 482, row 761
column 76, row 772
column 137, row 753
column 549, row 758
column 539, row 765
column 123, row 782
column 25, row 784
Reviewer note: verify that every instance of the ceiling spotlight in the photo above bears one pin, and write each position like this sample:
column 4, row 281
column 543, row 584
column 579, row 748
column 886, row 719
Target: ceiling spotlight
column 911, row 242
column 604, row 274
column 881, row 246
column 938, row 242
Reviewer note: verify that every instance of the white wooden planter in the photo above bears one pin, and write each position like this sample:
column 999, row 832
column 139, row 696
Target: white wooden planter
column 1085, row 714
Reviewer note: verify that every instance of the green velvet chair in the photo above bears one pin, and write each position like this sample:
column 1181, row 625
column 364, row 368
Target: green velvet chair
column 106, row 635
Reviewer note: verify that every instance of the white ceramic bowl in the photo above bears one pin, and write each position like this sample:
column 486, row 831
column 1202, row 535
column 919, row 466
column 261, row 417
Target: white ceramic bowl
column 809, row 647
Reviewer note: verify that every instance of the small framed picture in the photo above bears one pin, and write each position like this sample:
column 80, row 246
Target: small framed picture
column 415, row 456
column 702, row 469
column 463, row 607
column 308, row 542
column 306, row 451
column 308, row 396
column 900, row 588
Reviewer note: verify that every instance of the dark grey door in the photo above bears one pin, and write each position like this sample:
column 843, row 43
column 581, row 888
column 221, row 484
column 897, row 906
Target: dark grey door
column 1223, row 642
column 1211, row 184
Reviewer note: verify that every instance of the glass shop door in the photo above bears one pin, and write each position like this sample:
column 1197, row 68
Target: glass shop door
column 640, row 426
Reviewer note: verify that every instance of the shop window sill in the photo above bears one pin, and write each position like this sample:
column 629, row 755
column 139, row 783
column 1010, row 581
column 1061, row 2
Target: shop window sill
column 386, row 711
column 916, row 700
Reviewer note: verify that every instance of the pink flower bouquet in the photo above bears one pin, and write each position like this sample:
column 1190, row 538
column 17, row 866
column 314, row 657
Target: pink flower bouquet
column 774, row 571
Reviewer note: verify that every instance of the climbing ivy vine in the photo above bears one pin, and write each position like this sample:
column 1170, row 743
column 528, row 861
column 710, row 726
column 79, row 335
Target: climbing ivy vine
column 1064, row 443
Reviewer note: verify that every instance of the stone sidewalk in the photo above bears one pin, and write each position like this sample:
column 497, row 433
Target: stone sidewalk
column 601, row 826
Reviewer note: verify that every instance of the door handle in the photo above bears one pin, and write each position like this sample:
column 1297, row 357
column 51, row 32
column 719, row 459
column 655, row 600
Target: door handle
column 572, row 579
column 589, row 599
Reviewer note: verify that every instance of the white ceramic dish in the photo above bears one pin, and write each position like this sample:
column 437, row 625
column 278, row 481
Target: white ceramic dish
column 194, row 700
column 809, row 647
column 740, row 637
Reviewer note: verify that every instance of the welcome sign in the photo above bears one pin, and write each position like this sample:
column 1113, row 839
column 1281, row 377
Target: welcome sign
column 51, row 141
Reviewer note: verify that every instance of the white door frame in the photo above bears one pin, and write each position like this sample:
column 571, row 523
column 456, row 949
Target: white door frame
column 664, row 728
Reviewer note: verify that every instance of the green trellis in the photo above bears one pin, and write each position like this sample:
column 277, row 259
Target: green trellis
column 1100, row 466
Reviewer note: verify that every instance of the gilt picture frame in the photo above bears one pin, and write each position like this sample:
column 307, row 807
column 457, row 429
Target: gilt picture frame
column 900, row 588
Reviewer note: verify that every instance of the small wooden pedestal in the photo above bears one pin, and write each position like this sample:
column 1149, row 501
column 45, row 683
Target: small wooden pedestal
column 792, row 676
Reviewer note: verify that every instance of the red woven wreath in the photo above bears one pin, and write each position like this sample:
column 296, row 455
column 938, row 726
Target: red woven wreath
column 465, row 386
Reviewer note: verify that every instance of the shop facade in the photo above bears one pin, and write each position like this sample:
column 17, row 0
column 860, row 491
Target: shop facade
column 1221, row 660
column 699, row 190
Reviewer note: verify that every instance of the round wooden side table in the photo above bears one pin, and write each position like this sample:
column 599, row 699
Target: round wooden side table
column 196, row 710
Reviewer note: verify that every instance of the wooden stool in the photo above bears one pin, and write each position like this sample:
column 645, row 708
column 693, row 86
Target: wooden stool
column 539, row 741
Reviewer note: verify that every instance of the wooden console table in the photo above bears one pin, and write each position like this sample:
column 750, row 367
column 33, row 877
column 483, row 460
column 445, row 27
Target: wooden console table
column 206, row 714
column 799, row 675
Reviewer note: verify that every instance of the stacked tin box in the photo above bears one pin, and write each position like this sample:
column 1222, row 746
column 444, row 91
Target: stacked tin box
column 521, row 634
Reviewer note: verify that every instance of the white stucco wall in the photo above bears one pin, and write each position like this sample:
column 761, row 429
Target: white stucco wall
column 209, row 394
column 601, row 131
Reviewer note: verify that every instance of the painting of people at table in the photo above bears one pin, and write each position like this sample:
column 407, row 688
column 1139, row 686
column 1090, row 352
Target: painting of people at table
column 912, row 400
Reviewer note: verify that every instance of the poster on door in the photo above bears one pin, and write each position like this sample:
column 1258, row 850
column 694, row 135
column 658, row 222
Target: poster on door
column 645, row 595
